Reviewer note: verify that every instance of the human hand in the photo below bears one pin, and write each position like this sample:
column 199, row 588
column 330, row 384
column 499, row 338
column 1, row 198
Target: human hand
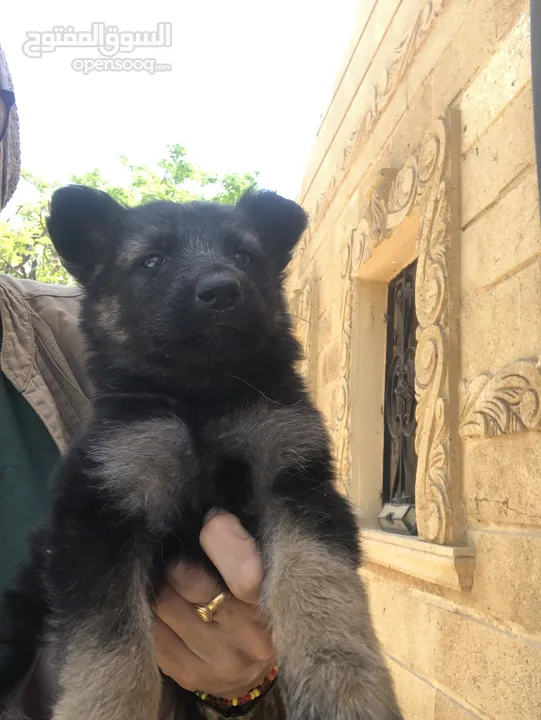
column 232, row 654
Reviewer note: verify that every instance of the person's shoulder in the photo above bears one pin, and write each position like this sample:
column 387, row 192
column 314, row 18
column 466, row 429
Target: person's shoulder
column 33, row 288
column 29, row 289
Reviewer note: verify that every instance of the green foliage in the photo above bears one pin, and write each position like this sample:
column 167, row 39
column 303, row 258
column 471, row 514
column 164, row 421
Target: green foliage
column 27, row 252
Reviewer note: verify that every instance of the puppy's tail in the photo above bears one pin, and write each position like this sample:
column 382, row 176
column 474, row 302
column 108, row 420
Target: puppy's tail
column 23, row 610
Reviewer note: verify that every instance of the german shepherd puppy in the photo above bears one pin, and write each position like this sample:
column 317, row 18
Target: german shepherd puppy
column 197, row 405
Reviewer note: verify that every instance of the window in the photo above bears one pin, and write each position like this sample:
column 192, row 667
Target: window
column 399, row 455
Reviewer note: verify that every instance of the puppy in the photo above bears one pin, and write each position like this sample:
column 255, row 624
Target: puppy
column 197, row 405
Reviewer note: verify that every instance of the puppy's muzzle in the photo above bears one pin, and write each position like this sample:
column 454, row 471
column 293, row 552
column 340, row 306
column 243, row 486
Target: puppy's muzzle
column 218, row 291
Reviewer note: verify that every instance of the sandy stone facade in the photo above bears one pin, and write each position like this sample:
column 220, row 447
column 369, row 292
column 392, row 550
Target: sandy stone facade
column 426, row 152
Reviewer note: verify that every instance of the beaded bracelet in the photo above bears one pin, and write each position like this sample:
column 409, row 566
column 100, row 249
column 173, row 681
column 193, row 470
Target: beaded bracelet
column 236, row 707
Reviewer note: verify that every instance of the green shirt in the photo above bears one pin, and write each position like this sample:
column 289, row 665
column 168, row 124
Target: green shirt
column 27, row 456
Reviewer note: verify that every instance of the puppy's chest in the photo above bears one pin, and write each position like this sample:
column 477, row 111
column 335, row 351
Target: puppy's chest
column 166, row 467
column 173, row 468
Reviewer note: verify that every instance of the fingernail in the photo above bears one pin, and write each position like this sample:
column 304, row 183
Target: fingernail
column 242, row 530
column 212, row 513
column 236, row 523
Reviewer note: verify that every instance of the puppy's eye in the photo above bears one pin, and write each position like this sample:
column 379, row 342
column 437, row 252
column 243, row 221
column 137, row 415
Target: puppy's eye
column 153, row 261
column 243, row 257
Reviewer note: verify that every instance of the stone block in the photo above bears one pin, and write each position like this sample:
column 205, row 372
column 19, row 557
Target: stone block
column 501, row 481
column 504, row 239
column 506, row 74
column 502, row 324
column 500, row 559
column 487, row 667
column 505, row 150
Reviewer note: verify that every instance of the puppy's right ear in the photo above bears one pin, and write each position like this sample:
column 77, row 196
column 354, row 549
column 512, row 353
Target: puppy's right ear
column 81, row 226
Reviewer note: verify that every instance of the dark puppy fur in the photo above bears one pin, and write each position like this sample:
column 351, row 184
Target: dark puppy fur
column 197, row 405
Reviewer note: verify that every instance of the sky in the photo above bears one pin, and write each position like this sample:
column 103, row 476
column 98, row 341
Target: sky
column 248, row 84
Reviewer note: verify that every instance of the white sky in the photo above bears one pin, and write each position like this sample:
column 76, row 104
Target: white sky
column 249, row 82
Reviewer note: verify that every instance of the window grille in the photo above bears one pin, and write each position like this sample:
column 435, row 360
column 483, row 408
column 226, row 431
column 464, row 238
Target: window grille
column 400, row 458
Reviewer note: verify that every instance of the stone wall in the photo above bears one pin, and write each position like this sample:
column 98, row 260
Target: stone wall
column 426, row 151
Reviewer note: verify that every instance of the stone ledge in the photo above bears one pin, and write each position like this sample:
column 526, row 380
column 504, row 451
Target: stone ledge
column 450, row 567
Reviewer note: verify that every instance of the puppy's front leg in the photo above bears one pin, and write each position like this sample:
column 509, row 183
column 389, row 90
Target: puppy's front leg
column 107, row 668
column 331, row 665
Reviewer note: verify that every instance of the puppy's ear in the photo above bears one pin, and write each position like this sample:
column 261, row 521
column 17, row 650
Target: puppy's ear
column 278, row 222
column 81, row 226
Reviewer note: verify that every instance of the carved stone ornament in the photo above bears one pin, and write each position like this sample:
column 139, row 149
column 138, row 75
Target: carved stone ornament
column 405, row 53
column 342, row 393
column 304, row 242
column 304, row 309
column 382, row 93
column 508, row 401
column 426, row 185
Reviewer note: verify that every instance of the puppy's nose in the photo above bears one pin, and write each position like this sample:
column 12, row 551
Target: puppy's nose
column 219, row 291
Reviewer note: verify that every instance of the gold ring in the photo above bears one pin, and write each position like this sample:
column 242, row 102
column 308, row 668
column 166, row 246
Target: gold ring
column 206, row 612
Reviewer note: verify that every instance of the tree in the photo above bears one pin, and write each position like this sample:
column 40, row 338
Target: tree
column 27, row 252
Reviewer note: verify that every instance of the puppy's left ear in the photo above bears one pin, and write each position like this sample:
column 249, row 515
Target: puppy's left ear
column 81, row 226
column 278, row 222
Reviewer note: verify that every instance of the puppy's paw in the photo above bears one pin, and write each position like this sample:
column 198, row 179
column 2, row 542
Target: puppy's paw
column 331, row 664
column 333, row 690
